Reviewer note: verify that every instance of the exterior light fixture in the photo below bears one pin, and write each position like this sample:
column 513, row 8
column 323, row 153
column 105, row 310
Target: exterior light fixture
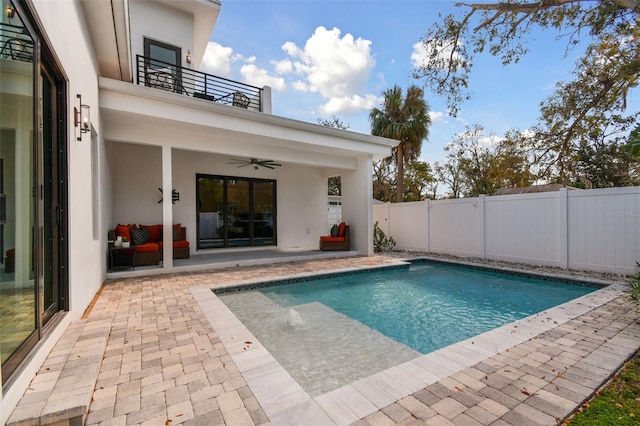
column 11, row 12
column 188, row 57
column 81, row 118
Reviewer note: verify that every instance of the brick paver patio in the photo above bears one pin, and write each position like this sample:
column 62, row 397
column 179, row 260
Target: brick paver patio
column 146, row 353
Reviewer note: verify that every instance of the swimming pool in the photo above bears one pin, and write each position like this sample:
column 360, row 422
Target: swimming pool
column 332, row 331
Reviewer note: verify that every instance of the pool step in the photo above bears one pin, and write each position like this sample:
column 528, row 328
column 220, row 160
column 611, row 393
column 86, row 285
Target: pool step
column 61, row 391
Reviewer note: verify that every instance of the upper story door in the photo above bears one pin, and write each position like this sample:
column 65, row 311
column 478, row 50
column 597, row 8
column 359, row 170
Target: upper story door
column 163, row 66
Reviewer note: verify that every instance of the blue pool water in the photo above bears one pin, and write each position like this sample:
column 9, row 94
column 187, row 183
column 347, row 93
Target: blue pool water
column 331, row 332
column 430, row 306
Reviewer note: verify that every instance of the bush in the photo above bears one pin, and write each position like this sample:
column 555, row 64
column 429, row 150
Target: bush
column 382, row 243
column 635, row 287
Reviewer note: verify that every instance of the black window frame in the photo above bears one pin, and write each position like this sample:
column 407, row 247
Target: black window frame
column 149, row 61
column 225, row 179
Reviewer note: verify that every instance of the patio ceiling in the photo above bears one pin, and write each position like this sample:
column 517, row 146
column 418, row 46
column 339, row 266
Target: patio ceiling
column 137, row 114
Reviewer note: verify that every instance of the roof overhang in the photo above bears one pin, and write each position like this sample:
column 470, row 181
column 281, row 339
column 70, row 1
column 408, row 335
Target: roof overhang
column 108, row 24
column 138, row 114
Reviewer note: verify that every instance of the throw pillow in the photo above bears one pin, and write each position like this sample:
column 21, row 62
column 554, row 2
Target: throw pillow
column 123, row 231
column 139, row 236
column 341, row 229
column 177, row 232
column 155, row 232
column 335, row 230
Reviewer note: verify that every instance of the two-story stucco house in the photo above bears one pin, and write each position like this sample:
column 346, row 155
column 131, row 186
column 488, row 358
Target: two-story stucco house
column 103, row 110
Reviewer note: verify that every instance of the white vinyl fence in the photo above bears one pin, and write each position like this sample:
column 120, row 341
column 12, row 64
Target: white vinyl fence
column 591, row 230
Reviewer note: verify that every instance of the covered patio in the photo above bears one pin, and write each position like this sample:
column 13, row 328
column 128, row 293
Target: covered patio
column 160, row 142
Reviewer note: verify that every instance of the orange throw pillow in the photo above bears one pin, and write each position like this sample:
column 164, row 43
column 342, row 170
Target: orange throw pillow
column 341, row 229
column 124, row 231
column 155, row 232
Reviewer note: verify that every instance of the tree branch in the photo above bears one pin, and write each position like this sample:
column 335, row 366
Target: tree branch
column 528, row 7
column 488, row 21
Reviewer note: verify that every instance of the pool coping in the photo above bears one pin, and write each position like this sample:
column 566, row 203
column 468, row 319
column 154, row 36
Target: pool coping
column 285, row 402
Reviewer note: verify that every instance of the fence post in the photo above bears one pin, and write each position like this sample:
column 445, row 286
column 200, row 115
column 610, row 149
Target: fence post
column 563, row 228
column 427, row 206
column 483, row 227
column 387, row 220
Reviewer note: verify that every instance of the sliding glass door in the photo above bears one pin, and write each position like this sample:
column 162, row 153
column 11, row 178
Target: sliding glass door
column 235, row 211
column 33, row 189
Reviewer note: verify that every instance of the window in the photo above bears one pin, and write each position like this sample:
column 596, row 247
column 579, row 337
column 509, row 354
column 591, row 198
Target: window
column 235, row 211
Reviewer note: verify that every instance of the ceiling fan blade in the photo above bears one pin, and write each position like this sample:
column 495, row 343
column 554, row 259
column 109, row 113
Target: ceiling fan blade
column 270, row 164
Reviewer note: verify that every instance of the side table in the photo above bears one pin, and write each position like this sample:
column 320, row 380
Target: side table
column 122, row 256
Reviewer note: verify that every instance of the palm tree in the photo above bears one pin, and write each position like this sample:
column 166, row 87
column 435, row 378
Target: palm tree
column 406, row 120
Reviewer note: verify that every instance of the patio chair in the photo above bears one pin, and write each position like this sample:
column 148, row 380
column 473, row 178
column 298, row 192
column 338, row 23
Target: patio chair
column 161, row 78
column 240, row 100
column 340, row 242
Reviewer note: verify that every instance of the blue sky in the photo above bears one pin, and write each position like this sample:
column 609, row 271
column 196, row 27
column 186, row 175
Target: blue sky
column 325, row 58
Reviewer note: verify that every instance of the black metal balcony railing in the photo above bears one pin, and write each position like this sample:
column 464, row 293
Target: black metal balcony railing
column 16, row 44
column 172, row 78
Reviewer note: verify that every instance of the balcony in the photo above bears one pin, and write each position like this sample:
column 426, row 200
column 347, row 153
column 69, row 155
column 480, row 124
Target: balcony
column 185, row 81
column 16, row 44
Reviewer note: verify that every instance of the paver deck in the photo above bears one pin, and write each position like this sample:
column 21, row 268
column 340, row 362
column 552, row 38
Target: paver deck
column 173, row 354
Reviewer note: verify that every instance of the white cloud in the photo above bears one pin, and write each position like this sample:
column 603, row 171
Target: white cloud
column 300, row 86
column 348, row 105
column 489, row 141
column 419, row 55
column 336, row 67
column 284, row 66
column 290, row 48
column 217, row 59
column 436, row 116
column 260, row 77
column 423, row 50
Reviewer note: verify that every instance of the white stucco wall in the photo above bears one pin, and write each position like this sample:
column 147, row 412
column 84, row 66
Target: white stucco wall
column 137, row 174
column 159, row 22
column 357, row 210
column 70, row 42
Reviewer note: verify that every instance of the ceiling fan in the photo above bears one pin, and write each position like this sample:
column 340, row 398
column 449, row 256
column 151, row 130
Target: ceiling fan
column 269, row 164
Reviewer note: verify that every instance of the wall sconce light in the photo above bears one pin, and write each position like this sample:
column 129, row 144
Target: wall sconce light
column 11, row 12
column 188, row 57
column 82, row 118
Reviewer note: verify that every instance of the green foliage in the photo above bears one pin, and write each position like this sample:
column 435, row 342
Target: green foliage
column 605, row 165
column 419, row 181
column 406, row 119
column 384, row 183
column 479, row 164
column 635, row 287
column 502, row 28
column 617, row 404
column 633, row 146
column 382, row 243
column 589, row 109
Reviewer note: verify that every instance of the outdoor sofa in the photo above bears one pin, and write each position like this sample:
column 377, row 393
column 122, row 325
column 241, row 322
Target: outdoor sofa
column 149, row 247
